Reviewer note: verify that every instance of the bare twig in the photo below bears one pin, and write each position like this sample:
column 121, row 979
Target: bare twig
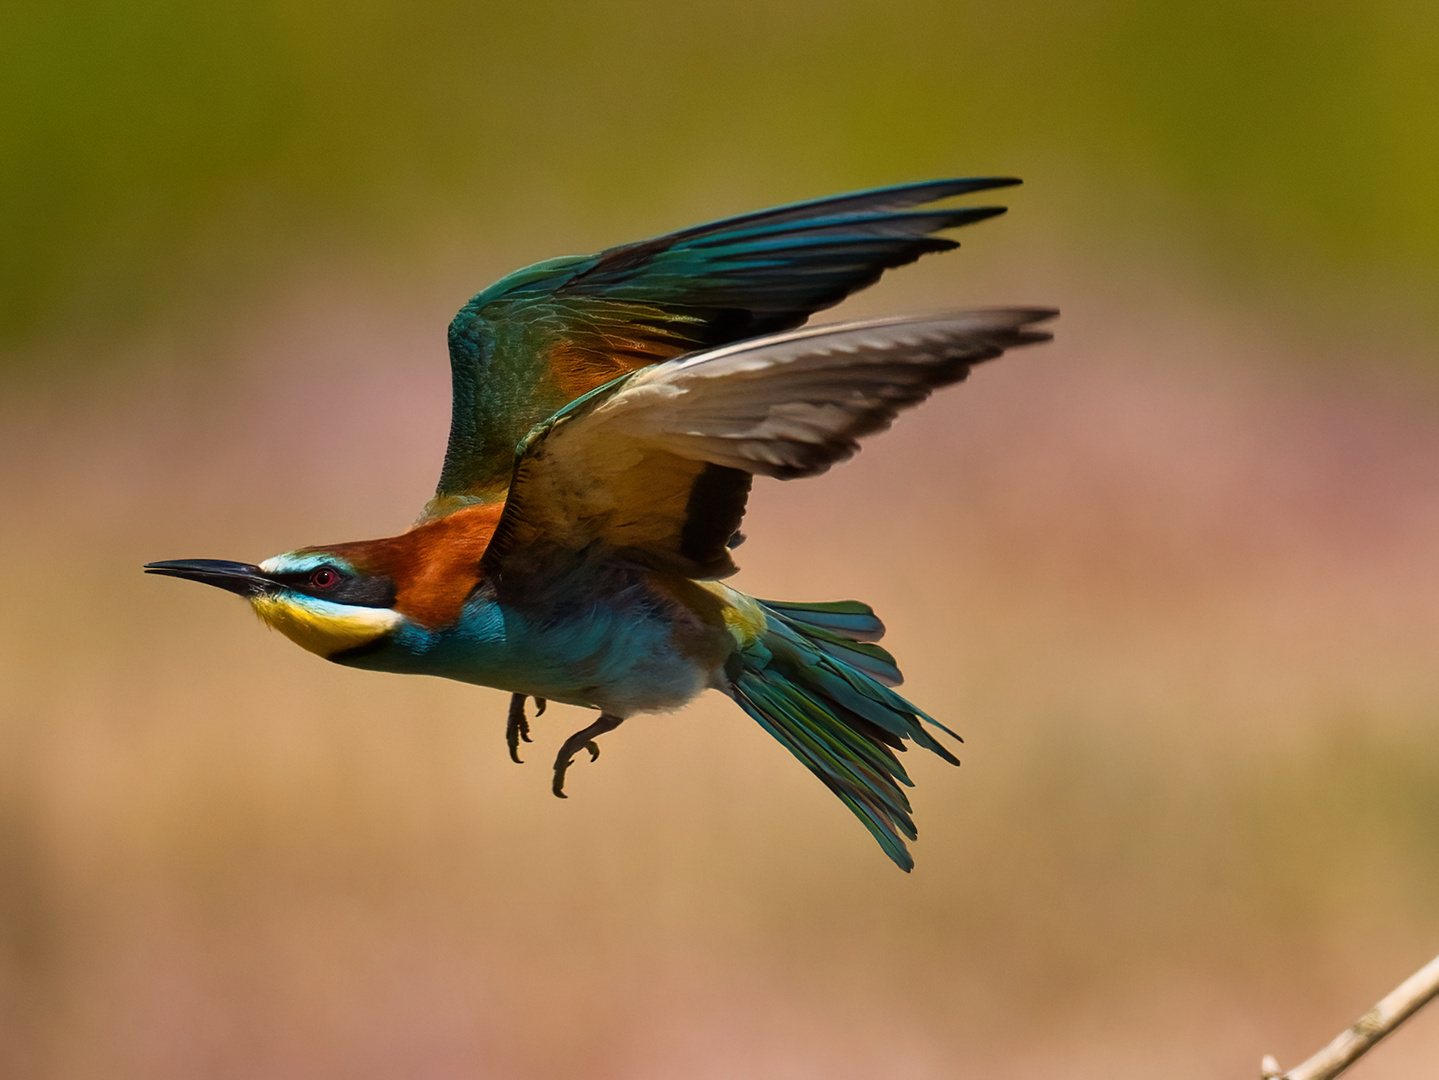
column 1403, row 1002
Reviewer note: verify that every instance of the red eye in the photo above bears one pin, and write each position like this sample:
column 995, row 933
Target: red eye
column 323, row 578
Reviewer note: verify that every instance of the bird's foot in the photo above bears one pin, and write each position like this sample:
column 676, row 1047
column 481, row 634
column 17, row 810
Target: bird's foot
column 581, row 740
column 517, row 727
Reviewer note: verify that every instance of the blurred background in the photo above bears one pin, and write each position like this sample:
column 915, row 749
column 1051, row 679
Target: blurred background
column 1174, row 577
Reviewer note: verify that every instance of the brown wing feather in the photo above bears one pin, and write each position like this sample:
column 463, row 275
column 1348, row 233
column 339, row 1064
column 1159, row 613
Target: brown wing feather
column 657, row 469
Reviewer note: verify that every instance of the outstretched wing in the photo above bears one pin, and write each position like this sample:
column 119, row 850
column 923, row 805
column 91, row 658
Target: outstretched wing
column 656, row 466
column 539, row 338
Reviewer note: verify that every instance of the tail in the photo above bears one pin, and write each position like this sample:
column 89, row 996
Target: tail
column 815, row 681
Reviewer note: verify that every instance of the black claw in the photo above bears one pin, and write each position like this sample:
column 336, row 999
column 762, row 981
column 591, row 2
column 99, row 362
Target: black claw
column 517, row 727
column 558, row 784
column 540, row 704
column 581, row 740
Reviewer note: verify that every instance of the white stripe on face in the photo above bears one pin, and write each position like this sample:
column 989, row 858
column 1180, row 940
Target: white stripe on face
column 293, row 563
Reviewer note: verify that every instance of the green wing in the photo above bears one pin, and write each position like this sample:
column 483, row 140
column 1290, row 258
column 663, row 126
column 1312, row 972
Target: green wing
column 540, row 338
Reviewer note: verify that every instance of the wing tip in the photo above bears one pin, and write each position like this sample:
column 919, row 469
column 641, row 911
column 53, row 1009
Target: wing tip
column 951, row 186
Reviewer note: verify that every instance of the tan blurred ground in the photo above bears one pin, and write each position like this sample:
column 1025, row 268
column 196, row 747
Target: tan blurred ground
column 1177, row 592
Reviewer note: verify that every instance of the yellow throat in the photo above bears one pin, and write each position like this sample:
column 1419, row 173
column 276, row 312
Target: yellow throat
column 323, row 627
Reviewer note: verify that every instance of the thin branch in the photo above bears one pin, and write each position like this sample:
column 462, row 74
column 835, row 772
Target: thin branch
column 1408, row 998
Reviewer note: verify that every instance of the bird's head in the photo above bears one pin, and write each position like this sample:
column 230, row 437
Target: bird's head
column 336, row 598
column 317, row 599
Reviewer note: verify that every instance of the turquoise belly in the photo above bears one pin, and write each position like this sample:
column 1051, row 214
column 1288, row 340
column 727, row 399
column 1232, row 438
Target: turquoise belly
column 614, row 651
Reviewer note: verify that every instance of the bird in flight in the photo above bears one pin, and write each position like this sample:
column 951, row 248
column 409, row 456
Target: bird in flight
column 610, row 412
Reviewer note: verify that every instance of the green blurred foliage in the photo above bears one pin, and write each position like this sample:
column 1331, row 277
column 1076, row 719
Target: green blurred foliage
column 148, row 146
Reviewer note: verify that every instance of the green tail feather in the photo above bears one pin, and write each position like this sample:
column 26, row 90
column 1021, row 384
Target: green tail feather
column 821, row 693
column 855, row 620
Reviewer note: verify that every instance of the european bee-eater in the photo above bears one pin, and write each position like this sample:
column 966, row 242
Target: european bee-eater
column 610, row 412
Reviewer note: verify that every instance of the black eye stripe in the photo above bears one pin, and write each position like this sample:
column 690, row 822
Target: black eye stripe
column 376, row 592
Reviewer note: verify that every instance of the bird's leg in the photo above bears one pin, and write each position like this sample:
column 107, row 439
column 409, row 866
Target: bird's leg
column 582, row 739
column 518, row 727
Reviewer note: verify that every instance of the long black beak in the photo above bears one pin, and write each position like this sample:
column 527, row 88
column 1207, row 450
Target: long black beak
column 237, row 577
